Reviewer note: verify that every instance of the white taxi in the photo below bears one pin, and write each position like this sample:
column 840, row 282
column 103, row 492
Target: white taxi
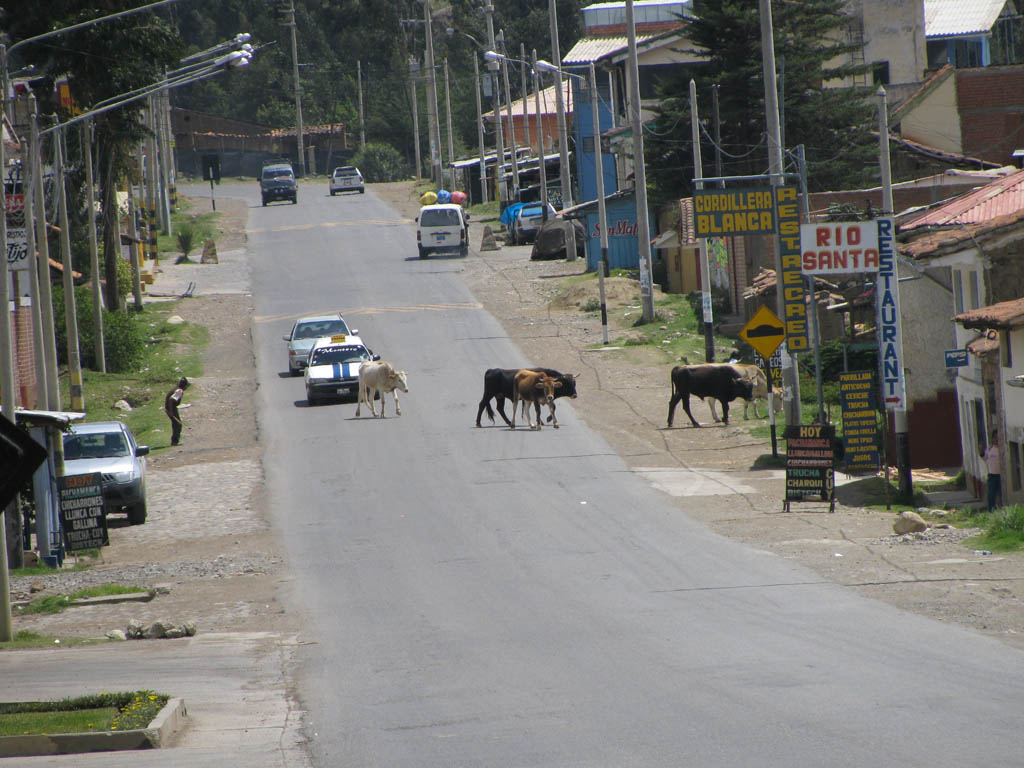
column 332, row 370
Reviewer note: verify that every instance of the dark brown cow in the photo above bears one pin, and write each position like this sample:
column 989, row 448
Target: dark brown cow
column 534, row 387
column 498, row 386
column 721, row 382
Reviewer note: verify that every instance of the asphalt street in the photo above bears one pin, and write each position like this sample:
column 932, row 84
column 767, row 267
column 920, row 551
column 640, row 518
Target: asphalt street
column 483, row 597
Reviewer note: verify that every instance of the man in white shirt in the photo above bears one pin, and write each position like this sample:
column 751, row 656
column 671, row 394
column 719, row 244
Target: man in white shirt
column 171, row 405
column 993, row 462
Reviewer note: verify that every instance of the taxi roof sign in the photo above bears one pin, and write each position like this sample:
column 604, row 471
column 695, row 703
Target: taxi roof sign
column 764, row 332
column 338, row 338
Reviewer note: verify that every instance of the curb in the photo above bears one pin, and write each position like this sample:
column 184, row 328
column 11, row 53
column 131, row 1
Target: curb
column 168, row 721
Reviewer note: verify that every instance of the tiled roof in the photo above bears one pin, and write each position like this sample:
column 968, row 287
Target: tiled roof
column 548, row 103
column 594, row 49
column 1002, row 316
column 951, row 18
column 956, row 235
column 998, row 198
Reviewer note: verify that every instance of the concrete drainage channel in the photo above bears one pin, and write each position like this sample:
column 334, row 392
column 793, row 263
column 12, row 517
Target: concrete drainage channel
column 168, row 721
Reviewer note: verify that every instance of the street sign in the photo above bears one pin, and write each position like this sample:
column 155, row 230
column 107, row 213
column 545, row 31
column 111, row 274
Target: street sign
column 839, row 248
column 956, row 358
column 765, row 332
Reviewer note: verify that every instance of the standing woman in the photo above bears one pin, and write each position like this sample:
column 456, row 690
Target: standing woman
column 993, row 462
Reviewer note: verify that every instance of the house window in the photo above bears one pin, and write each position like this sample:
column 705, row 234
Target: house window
column 1015, row 467
column 975, row 298
column 880, row 73
column 958, row 291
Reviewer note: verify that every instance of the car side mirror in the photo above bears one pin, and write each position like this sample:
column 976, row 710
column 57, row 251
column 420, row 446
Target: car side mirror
column 375, row 357
column 417, row 219
column 287, row 338
column 353, row 332
column 142, row 450
column 467, row 217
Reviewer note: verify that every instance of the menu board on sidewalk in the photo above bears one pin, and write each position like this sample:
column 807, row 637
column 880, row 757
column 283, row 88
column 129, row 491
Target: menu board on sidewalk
column 82, row 516
column 810, row 462
column 860, row 422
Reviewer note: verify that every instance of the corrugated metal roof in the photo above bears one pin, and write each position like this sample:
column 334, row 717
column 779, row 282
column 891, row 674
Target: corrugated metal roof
column 548, row 103
column 998, row 198
column 1003, row 316
column 952, row 18
column 590, row 49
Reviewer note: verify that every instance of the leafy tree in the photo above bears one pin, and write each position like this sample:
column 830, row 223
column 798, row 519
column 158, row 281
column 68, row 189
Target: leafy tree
column 832, row 123
column 381, row 162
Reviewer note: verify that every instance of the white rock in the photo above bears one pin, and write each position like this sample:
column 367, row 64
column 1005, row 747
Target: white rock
column 116, row 634
column 175, row 320
column 123, row 405
column 909, row 522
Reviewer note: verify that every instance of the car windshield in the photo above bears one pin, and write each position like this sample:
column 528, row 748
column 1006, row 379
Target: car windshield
column 346, row 172
column 95, row 446
column 276, row 173
column 315, row 330
column 331, row 355
column 439, row 217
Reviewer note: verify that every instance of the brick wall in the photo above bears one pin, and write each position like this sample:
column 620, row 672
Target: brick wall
column 25, row 372
column 991, row 102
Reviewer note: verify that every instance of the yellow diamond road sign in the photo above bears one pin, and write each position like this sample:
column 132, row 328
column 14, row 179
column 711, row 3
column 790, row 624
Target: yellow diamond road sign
column 765, row 332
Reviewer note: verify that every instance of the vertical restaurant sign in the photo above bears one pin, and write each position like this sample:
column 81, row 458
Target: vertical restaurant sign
column 860, row 427
column 791, row 281
column 890, row 334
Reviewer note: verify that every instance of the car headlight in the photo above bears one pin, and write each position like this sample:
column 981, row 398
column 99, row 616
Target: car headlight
column 123, row 477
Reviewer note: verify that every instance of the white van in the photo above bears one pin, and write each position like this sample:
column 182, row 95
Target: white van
column 442, row 228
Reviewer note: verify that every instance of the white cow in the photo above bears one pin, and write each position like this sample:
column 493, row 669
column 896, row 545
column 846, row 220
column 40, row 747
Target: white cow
column 380, row 377
column 756, row 376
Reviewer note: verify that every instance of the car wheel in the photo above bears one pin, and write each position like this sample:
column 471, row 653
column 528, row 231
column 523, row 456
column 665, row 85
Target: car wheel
column 137, row 513
column 264, row 202
column 295, row 200
column 332, row 193
column 361, row 191
column 423, row 253
column 294, row 371
column 464, row 251
column 310, row 400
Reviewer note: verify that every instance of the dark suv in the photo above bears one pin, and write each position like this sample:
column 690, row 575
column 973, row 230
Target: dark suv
column 277, row 182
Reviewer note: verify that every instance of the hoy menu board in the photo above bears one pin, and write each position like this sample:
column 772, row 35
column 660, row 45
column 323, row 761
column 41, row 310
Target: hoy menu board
column 810, row 462
column 860, row 424
column 81, row 512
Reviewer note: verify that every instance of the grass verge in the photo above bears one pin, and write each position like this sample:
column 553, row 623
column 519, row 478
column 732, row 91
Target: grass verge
column 24, row 639
column 100, row 712
column 57, row 603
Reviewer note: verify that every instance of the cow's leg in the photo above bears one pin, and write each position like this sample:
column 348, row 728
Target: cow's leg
column 725, row 412
column 371, row 394
column 359, row 398
column 540, row 419
column 551, row 415
column 398, row 406
column 672, row 406
column 714, row 412
column 485, row 403
column 686, row 407
column 515, row 402
column 499, row 401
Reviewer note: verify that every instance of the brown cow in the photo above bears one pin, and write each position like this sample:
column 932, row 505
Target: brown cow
column 534, row 387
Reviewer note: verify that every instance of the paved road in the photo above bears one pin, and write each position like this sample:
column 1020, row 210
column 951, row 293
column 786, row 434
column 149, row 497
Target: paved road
column 479, row 597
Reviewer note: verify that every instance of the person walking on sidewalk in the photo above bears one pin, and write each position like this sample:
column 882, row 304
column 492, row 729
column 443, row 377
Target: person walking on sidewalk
column 993, row 462
column 171, row 405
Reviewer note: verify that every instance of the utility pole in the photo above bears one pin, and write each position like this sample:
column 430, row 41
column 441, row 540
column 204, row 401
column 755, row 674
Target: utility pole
column 480, row 129
column 508, row 112
column 28, row 185
column 7, row 370
column 899, row 413
column 448, row 114
column 43, row 255
column 639, row 173
column 790, row 380
column 414, row 80
column 602, row 215
column 540, row 137
column 70, row 310
column 526, row 96
column 362, row 119
column 433, row 125
column 298, row 89
column 94, row 253
column 705, row 267
column 499, row 139
column 563, row 135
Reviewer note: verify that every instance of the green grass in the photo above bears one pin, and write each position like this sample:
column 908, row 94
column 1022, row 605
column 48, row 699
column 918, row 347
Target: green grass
column 205, row 224
column 176, row 352
column 25, row 639
column 484, row 212
column 101, row 712
column 57, row 603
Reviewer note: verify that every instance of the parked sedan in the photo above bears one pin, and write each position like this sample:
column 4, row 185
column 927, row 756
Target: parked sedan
column 110, row 448
column 528, row 221
column 304, row 334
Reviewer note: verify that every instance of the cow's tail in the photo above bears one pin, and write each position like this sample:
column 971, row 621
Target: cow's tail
column 490, row 411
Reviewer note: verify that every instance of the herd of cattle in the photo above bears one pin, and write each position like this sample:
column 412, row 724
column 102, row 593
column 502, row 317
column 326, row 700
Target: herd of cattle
column 536, row 387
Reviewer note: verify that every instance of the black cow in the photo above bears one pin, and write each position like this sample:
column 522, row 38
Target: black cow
column 498, row 383
column 722, row 382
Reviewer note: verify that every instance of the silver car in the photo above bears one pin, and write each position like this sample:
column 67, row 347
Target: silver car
column 304, row 334
column 110, row 448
